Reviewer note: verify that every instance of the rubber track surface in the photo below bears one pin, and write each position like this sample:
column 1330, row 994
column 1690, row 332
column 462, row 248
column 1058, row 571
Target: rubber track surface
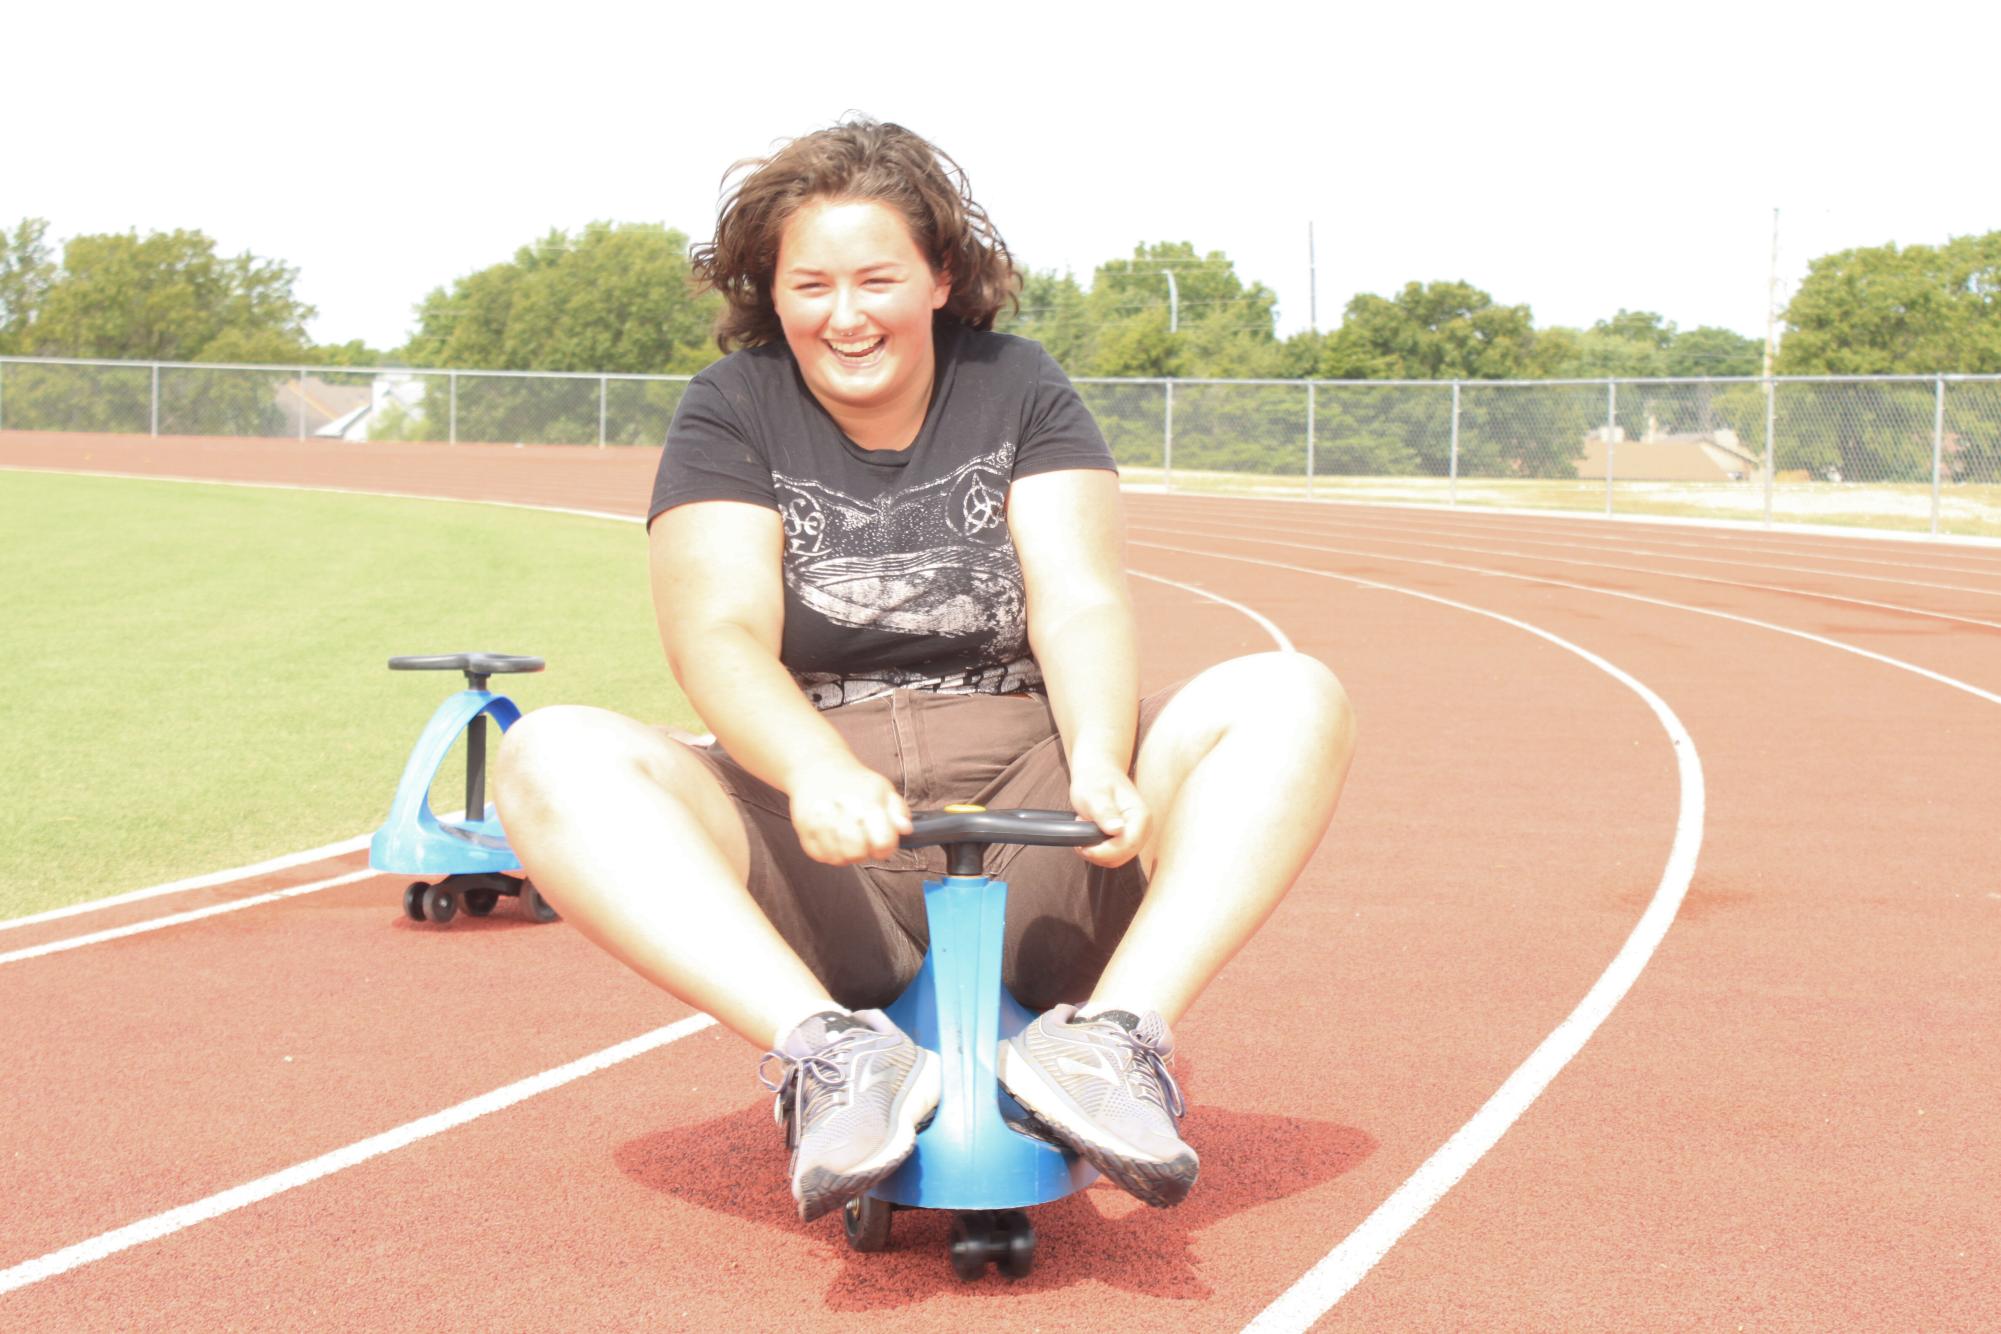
column 1791, row 1121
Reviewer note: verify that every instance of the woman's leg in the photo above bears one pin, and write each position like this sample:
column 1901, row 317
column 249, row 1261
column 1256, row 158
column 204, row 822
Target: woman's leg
column 634, row 840
column 1241, row 773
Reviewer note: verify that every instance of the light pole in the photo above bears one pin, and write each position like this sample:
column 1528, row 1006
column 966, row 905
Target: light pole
column 1173, row 298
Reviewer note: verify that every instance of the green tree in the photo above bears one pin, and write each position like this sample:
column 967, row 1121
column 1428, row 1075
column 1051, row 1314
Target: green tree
column 610, row 300
column 1883, row 310
column 26, row 273
column 1708, row 350
column 1636, row 344
column 1878, row 310
column 353, row 352
column 167, row 296
column 1053, row 312
column 1632, row 344
column 1430, row 331
column 1208, row 323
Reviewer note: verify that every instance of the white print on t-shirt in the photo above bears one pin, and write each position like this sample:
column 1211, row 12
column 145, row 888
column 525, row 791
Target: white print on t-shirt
column 830, row 690
column 931, row 560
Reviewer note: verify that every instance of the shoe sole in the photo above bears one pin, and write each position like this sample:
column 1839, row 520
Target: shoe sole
column 1161, row 1182
column 821, row 1192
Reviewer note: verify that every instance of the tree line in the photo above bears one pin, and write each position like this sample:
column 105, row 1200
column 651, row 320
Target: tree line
column 616, row 298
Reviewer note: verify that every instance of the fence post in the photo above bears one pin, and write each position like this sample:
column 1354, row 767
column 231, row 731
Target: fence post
column 156, row 398
column 1771, row 446
column 1167, row 444
column 1611, row 429
column 302, row 405
column 604, row 392
column 1309, row 439
column 1452, row 486
column 1938, row 445
column 452, row 384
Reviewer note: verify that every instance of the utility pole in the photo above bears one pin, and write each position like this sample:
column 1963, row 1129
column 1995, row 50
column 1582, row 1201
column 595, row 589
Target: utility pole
column 1312, row 285
column 1772, row 300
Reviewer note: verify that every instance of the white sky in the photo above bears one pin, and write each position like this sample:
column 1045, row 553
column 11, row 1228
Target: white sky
column 1578, row 158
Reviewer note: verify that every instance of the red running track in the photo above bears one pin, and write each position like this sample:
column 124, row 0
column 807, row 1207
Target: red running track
column 1789, row 1121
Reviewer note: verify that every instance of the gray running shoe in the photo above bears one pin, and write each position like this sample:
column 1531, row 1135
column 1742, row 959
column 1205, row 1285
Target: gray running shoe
column 1101, row 1086
column 852, row 1093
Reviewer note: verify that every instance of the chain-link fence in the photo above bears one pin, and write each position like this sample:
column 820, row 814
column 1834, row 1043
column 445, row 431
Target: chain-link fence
column 299, row 403
column 1917, row 452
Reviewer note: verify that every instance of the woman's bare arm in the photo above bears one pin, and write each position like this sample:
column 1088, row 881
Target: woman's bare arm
column 718, row 596
column 1069, row 533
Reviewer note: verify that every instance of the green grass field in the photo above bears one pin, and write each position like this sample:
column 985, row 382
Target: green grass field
column 196, row 679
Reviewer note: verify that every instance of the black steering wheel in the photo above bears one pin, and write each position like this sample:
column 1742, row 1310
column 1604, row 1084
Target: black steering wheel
column 965, row 832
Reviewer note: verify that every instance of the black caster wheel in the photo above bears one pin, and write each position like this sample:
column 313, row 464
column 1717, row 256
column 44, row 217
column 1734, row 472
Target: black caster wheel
column 1014, row 1243
column 866, row 1221
column 440, row 904
column 413, row 900
column 480, row 902
column 534, row 904
column 971, row 1246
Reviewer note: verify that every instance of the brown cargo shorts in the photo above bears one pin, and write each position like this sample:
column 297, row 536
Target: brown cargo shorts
column 861, row 928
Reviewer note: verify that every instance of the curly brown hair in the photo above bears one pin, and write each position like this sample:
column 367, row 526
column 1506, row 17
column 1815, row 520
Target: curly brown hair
column 858, row 159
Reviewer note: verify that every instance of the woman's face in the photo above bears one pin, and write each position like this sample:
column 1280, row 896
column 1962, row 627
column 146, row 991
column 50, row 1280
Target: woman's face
column 855, row 296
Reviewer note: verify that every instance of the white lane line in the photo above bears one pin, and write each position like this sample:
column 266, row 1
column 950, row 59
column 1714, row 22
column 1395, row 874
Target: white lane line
column 1819, row 535
column 1810, row 637
column 1608, row 565
column 324, row 490
column 1417, row 537
column 1285, row 645
column 284, row 863
column 290, row 1178
column 176, row 919
column 1315, row 1292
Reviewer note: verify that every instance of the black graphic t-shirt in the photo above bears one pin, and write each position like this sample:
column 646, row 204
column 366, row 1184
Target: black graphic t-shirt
column 899, row 571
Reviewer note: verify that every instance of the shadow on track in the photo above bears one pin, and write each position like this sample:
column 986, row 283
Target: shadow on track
column 735, row 1164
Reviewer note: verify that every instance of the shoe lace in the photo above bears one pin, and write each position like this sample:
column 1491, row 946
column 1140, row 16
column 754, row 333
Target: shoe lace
column 808, row 1082
column 1147, row 1070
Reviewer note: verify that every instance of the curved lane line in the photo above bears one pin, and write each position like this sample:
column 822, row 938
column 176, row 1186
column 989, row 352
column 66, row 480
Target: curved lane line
column 264, row 1187
column 1926, row 672
column 1285, row 645
column 324, row 490
column 1395, row 534
column 1628, row 569
column 1315, row 1293
column 1752, row 551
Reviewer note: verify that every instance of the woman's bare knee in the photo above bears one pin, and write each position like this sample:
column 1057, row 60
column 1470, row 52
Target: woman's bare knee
column 1296, row 690
column 560, row 759
column 551, row 748
column 1290, row 690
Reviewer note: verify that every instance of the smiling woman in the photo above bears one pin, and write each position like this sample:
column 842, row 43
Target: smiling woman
column 887, row 569
column 196, row 673
column 855, row 297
